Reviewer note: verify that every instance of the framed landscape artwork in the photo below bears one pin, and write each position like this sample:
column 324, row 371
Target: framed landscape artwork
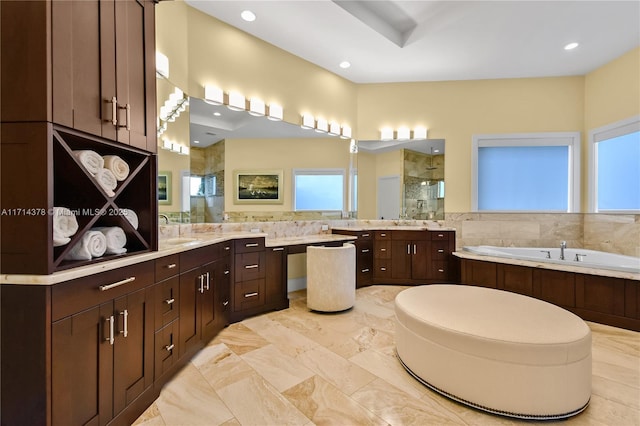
column 258, row 186
column 164, row 187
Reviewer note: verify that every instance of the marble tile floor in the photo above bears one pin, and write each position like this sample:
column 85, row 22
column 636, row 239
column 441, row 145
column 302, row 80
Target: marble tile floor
column 296, row 367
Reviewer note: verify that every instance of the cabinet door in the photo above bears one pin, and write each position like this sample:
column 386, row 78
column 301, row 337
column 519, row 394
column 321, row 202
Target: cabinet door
column 190, row 283
column 208, row 304
column 401, row 259
column 76, row 33
column 133, row 347
column 420, row 260
column 135, row 72
column 82, row 366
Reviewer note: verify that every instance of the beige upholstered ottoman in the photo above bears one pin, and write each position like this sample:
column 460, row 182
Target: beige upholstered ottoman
column 331, row 278
column 497, row 351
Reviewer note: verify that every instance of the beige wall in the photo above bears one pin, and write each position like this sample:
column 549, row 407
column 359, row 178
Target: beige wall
column 456, row 110
column 612, row 92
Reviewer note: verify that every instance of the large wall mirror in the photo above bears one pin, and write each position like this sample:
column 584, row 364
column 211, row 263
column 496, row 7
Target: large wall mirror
column 201, row 184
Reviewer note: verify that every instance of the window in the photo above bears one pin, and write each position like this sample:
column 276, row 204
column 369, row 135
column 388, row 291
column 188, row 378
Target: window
column 318, row 189
column 526, row 172
column 614, row 167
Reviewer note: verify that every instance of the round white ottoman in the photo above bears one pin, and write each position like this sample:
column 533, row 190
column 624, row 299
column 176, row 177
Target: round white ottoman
column 497, row 351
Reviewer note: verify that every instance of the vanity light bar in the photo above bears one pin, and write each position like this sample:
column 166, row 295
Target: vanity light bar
column 308, row 122
column 322, row 125
column 256, row 107
column 403, row 133
column 334, row 128
column 274, row 112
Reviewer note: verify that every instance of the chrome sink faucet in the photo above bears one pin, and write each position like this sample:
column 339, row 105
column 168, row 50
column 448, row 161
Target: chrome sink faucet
column 563, row 245
column 165, row 217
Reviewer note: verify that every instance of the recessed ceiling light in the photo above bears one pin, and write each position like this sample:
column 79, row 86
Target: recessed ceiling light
column 248, row 15
column 196, row 141
column 571, row 46
column 217, row 114
column 345, row 64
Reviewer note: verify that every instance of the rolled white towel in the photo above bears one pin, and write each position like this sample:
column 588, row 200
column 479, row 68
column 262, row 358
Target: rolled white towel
column 117, row 165
column 64, row 226
column 92, row 244
column 91, row 160
column 107, row 181
column 116, row 239
column 131, row 216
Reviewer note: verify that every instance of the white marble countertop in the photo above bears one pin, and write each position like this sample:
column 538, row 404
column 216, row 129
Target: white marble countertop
column 393, row 228
column 545, row 265
column 166, row 247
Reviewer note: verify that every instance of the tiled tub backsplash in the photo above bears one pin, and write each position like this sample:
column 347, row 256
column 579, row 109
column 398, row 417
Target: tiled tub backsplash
column 612, row 233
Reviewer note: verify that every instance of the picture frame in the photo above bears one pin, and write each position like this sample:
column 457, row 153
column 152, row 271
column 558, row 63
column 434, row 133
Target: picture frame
column 258, row 186
column 164, row 188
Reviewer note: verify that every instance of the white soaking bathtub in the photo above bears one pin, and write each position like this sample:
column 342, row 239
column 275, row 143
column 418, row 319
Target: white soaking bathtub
column 588, row 258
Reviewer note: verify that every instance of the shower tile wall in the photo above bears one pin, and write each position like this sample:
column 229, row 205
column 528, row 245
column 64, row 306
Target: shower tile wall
column 209, row 162
column 422, row 172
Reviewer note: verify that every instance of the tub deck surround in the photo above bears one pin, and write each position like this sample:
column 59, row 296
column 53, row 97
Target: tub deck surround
column 600, row 295
column 569, row 267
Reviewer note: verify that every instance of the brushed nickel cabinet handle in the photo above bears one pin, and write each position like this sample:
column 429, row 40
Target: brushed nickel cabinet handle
column 250, row 294
column 170, row 347
column 278, row 249
column 127, row 109
column 208, row 281
column 365, row 270
column 383, row 269
column 414, row 249
column 170, row 301
column 226, row 272
column 441, row 251
column 365, row 250
column 365, row 235
column 225, row 303
column 440, row 270
column 171, row 266
column 251, row 266
column 383, row 234
column 125, row 323
column 251, row 245
column 201, row 286
column 116, row 284
column 408, row 248
column 110, row 338
column 227, row 248
column 383, row 249
column 114, row 110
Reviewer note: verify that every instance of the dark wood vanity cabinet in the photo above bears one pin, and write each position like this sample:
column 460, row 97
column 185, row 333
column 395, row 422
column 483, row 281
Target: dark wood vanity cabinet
column 276, row 279
column 364, row 255
column 85, row 65
column 78, row 352
column 413, row 257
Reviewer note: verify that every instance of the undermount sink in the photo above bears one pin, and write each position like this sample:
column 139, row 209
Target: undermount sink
column 180, row 240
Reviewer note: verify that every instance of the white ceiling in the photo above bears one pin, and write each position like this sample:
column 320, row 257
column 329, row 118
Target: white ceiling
column 396, row 41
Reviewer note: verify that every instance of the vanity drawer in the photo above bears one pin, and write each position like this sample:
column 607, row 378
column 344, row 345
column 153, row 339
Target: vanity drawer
column 73, row 296
column 382, row 268
column 440, row 250
column 167, row 301
column 250, row 266
column 382, row 235
column 364, row 275
column 441, row 270
column 382, row 249
column 167, row 266
column 248, row 294
column 166, row 348
column 249, row 245
column 364, row 248
column 441, row 235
